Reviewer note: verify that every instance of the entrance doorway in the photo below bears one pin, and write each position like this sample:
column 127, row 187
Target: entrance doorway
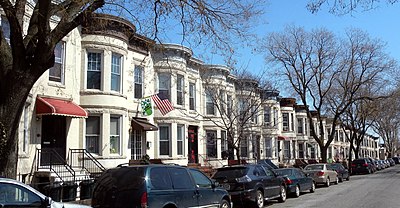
column 193, row 144
column 54, row 140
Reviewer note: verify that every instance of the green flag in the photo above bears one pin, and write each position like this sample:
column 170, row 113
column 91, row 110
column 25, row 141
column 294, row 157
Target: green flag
column 146, row 106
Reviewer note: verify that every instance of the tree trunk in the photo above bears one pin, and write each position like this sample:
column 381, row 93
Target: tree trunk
column 350, row 157
column 324, row 153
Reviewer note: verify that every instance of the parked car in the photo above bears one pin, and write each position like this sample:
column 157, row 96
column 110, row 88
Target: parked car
column 296, row 181
column 322, row 173
column 391, row 161
column 361, row 166
column 342, row 172
column 158, row 186
column 251, row 183
column 383, row 164
column 372, row 164
column 378, row 165
column 16, row 194
column 396, row 160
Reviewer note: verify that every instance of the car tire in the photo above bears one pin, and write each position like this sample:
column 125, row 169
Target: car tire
column 297, row 191
column 312, row 190
column 259, row 199
column 337, row 180
column 224, row 204
column 282, row 195
column 348, row 178
column 341, row 179
column 328, row 182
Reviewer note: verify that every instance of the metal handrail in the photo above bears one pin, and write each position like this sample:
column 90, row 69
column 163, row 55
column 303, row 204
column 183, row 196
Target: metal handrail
column 81, row 158
column 55, row 163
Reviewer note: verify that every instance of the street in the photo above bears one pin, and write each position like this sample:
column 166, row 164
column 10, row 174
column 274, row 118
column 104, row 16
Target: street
column 381, row 189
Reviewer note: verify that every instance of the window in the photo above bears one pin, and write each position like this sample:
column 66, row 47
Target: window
column 93, row 134
column 200, row 179
column 268, row 147
column 164, row 85
column 267, row 116
column 116, row 72
column 179, row 141
column 224, row 141
column 306, row 130
column 115, row 131
column 300, row 126
column 243, row 147
column 291, row 122
column 56, row 73
column 5, row 27
column 275, row 117
column 138, row 81
column 337, row 136
column 164, row 140
column 192, row 96
column 180, row 178
column 229, row 105
column 159, row 179
column 341, row 137
column 136, row 145
column 94, row 71
column 26, row 129
column 286, row 149
column 301, row 150
column 254, row 114
column 222, row 102
column 210, row 109
column 179, row 89
column 285, row 121
column 13, row 195
column 211, row 144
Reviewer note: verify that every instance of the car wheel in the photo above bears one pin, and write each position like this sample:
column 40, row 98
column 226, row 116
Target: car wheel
column 328, row 182
column 297, row 191
column 259, row 199
column 224, row 204
column 341, row 179
column 337, row 180
column 282, row 197
column 348, row 178
column 312, row 190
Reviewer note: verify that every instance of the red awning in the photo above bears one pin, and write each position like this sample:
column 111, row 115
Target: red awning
column 283, row 138
column 59, row 107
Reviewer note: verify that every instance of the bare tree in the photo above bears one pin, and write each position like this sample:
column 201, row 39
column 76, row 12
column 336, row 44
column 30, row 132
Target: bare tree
column 326, row 72
column 237, row 102
column 36, row 29
column 341, row 7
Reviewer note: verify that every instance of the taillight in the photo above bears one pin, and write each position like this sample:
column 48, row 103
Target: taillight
column 288, row 181
column 353, row 165
column 365, row 165
column 143, row 200
column 320, row 173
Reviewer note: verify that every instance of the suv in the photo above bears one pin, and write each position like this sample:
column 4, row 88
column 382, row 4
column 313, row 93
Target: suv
column 361, row 165
column 251, row 183
column 157, row 186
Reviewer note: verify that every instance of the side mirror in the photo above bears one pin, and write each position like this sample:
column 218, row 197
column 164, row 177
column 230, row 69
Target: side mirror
column 215, row 184
column 47, row 201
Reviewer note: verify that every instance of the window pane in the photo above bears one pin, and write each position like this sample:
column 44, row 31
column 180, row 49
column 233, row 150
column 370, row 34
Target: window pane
column 94, row 71
column 179, row 90
column 180, row 178
column 116, row 72
column 93, row 134
column 115, row 135
column 164, row 85
column 159, row 180
column 56, row 72
column 192, row 96
column 164, row 140
column 138, row 81
column 211, row 144
column 180, row 134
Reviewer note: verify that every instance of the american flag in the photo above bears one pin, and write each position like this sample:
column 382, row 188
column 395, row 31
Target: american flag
column 162, row 103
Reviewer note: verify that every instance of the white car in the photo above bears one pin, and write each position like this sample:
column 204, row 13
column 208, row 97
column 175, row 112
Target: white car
column 16, row 194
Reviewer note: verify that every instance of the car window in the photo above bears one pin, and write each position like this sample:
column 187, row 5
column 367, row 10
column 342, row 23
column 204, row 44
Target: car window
column 230, row 172
column 283, row 172
column 160, row 179
column 298, row 174
column 259, row 170
column 314, row 167
column 269, row 172
column 200, row 179
column 180, row 178
column 12, row 194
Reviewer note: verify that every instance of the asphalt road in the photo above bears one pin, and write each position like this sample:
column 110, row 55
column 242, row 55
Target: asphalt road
column 381, row 189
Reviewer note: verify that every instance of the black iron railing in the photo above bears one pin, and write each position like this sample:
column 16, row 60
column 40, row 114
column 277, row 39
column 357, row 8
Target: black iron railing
column 49, row 159
column 82, row 159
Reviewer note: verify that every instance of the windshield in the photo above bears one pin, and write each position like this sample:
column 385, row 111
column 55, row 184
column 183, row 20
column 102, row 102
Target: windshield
column 231, row 172
column 283, row 172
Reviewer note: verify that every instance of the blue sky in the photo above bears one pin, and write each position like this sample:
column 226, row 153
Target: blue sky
column 382, row 22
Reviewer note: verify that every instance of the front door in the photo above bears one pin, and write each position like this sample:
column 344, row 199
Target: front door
column 193, row 144
column 54, row 139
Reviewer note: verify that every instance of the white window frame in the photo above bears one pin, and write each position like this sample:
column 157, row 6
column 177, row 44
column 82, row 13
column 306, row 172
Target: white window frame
column 58, row 61
column 116, row 148
column 97, row 69
column 180, row 85
column 180, row 142
column 116, row 72
column 138, row 81
column 192, row 96
column 96, row 149
column 166, row 139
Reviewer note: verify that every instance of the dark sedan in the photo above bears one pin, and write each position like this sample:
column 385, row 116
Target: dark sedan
column 296, row 181
column 342, row 172
column 251, row 183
